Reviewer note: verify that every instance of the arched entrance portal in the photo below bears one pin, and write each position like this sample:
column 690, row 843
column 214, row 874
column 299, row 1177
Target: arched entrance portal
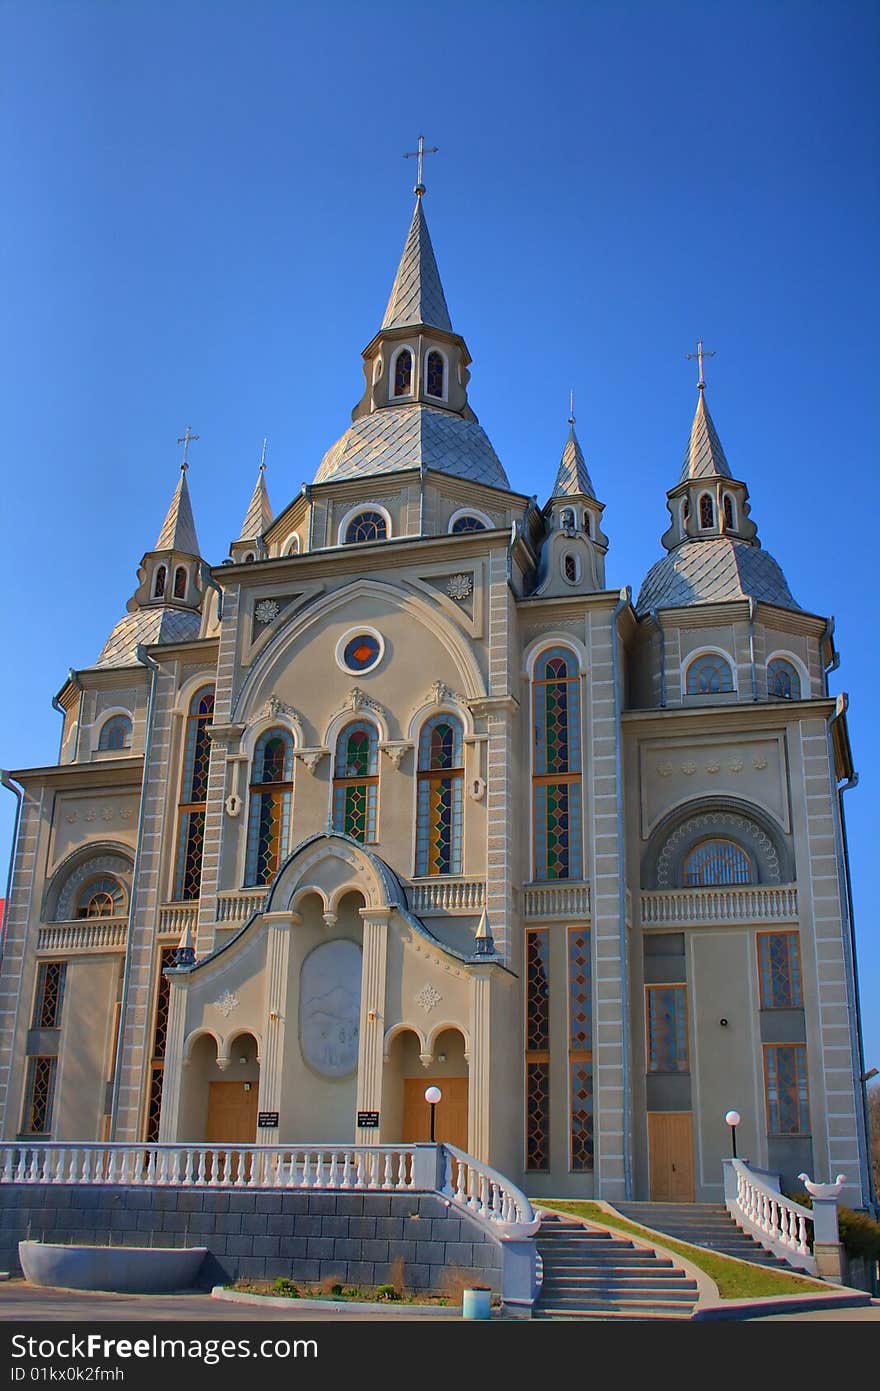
column 406, row 1079
column 221, row 1093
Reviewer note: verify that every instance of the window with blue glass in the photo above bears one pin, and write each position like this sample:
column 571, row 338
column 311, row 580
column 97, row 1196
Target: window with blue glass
column 271, row 800
column 361, row 652
column 434, row 375
column 440, row 796
column 116, row 733
column 717, row 862
column 710, row 674
column 557, row 766
column 366, row 526
column 403, row 372
column 467, row 523
column 356, row 781
column 783, row 681
column 193, row 795
column 666, row 1008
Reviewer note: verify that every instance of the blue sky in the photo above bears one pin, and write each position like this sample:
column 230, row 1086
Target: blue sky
column 205, row 203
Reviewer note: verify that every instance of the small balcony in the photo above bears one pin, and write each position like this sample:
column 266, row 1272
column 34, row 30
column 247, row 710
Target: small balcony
column 735, row 903
column 85, row 934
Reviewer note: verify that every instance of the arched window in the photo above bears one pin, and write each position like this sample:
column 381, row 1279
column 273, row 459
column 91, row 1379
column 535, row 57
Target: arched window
column 783, row 681
column 440, row 801
column 159, row 586
column 403, row 370
column 557, row 770
column 356, row 781
column 707, row 511
column 434, row 374
column 467, row 523
column 270, row 805
column 101, row 898
column 709, row 675
column 587, row 527
column 717, row 862
column 116, row 733
column 729, row 520
column 292, row 547
column 366, row 526
column 685, row 510
column 570, row 568
column 180, row 582
column 249, row 558
column 193, row 795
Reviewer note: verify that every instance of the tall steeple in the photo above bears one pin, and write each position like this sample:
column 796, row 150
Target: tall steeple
column 178, row 532
column 257, row 518
column 573, row 553
column 417, row 293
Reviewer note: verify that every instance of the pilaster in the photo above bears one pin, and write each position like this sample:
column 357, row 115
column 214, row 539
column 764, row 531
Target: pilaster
column 272, row 1061
column 372, row 1029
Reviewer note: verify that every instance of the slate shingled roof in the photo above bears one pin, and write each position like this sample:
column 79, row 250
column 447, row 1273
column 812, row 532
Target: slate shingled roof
column 706, row 572
column 258, row 517
column 573, row 477
column 147, row 626
column 417, row 295
column 407, row 436
column 179, row 529
column 704, row 457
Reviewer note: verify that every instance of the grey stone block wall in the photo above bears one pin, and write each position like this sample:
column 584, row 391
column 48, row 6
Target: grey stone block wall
column 360, row 1238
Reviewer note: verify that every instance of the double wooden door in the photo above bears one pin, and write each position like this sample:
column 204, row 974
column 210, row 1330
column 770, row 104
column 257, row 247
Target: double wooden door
column 671, row 1156
column 451, row 1119
column 232, row 1113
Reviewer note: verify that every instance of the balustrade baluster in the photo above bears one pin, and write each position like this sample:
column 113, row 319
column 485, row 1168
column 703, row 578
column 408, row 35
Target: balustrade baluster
column 387, row 1181
column 319, row 1169
column 346, row 1170
column 360, row 1181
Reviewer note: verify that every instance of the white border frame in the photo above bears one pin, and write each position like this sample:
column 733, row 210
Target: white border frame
column 365, row 630
column 470, row 512
column 429, row 396
column 781, row 654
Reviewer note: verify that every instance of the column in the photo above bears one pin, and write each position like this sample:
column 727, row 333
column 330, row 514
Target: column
column 372, row 1022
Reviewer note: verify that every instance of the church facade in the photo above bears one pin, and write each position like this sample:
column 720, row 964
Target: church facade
column 401, row 794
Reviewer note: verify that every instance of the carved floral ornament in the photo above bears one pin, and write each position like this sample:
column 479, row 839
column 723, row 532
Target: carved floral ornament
column 266, row 611
column 734, row 764
column 227, row 1002
column 89, row 814
column 460, row 587
column 428, row 998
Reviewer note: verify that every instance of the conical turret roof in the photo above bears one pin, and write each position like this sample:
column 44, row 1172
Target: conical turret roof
column 179, row 529
column 704, row 457
column 258, row 517
column 573, row 478
column 417, row 294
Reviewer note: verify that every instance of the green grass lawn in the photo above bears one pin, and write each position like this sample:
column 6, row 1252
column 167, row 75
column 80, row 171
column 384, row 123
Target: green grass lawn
column 735, row 1280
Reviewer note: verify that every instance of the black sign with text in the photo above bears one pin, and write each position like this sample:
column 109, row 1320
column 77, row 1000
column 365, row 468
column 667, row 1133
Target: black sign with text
column 368, row 1120
column 267, row 1120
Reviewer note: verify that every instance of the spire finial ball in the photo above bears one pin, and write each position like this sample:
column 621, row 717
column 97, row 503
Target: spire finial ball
column 419, row 190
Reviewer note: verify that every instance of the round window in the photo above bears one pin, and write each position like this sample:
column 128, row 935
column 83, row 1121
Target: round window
column 361, row 651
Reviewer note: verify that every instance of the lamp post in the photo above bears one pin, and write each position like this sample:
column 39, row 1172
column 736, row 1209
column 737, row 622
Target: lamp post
column 733, row 1119
column 432, row 1096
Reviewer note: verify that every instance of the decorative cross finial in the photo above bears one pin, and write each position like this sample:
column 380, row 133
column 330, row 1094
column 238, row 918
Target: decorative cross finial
column 185, row 441
column 419, row 155
column 699, row 355
column 263, row 454
column 571, row 408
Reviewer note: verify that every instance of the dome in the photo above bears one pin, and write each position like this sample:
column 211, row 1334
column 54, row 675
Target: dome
column 405, row 437
column 710, row 571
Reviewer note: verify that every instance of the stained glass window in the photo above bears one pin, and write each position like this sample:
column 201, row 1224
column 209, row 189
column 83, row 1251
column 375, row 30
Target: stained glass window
column 686, row 509
column 717, row 862
column 557, row 777
column 788, row 1100
column 570, row 569
column 779, row 969
column 167, row 958
column 728, row 511
column 783, row 682
column 270, row 805
column 434, row 374
column 39, row 1096
column 666, row 1008
column 580, row 1050
column 537, row 1079
column 366, row 526
column 709, row 675
column 180, row 583
column 440, row 796
column 159, row 586
column 467, row 523
column 49, row 996
column 403, row 369
column 116, row 733
column 356, row 781
column 581, row 1115
column 361, row 652
column 101, row 898
column 193, row 796
column 707, row 511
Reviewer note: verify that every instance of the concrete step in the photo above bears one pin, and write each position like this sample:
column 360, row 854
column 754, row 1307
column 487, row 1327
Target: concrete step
column 602, row 1306
column 610, row 1313
column 587, row 1281
column 617, row 1293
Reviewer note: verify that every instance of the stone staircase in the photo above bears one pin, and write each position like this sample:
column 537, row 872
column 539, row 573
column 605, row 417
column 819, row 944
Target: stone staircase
column 709, row 1225
column 591, row 1274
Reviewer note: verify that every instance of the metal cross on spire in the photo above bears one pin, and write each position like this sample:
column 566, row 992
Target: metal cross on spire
column 185, row 439
column 419, row 155
column 263, row 454
column 699, row 355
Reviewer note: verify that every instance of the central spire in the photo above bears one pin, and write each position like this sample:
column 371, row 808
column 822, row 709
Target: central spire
column 417, row 294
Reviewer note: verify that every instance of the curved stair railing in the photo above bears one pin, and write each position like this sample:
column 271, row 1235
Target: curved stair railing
column 777, row 1223
column 487, row 1195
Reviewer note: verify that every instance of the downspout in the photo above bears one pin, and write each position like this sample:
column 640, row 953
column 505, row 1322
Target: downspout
column 18, row 793
column 422, row 471
column 147, row 661
column 623, row 602
column 655, row 615
column 835, row 660
column 56, row 705
column 307, row 493
column 753, row 608
column 208, row 579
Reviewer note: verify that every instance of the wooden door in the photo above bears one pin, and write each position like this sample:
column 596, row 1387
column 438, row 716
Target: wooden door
column 451, row 1120
column 671, row 1150
column 232, row 1113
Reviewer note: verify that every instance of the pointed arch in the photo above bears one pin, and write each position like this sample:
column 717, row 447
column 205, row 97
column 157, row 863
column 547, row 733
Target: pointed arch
column 556, row 765
column 436, row 374
column 707, row 511
column 159, row 582
column 440, row 799
column 402, row 372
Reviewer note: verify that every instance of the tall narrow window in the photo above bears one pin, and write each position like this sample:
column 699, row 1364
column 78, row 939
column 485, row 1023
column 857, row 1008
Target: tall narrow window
column 587, row 527
column 180, row 582
column 570, row 568
column 788, row 1099
column 557, row 772
column 193, row 795
column 685, row 510
column 39, row 1096
column 728, row 512
column 580, row 1050
column 709, row 675
column 537, row 1048
column 717, row 862
column 159, row 586
column 440, row 801
column 434, row 384
column 116, row 733
column 666, row 1009
column 167, row 957
column 403, row 369
column 49, row 995
column 101, row 898
column 271, row 798
column 779, row 970
column 783, row 682
column 356, row 781
column 707, row 511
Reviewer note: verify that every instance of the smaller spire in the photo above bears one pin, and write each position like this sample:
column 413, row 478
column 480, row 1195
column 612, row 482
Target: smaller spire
column 484, row 944
column 178, row 531
column 258, row 516
column 186, row 951
column 573, row 478
column 704, row 456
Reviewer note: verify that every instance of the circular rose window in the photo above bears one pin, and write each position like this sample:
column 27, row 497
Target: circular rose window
column 360, row 650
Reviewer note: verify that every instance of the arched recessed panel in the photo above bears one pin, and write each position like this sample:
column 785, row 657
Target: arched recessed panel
column 330, row 1007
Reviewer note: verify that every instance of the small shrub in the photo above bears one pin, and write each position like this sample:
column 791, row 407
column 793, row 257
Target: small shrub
column 336, row 1289
column 387, row 1294
column 859, row 1233
column 453, row 1281
column 284, row 1286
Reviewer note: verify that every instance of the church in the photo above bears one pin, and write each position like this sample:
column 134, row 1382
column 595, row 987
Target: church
column 400, row 795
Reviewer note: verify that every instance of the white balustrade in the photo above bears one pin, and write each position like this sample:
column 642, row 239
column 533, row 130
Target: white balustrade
column 176, row 919
column 487, row 1195
column 236, row 907
column 737, row 903
column 778, row 1223
column 556, row 901
column 86, row 934
column 447, row 896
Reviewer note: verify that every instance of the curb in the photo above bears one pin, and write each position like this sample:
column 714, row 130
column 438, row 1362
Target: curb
column 336, row 1306
column 780, row 1304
